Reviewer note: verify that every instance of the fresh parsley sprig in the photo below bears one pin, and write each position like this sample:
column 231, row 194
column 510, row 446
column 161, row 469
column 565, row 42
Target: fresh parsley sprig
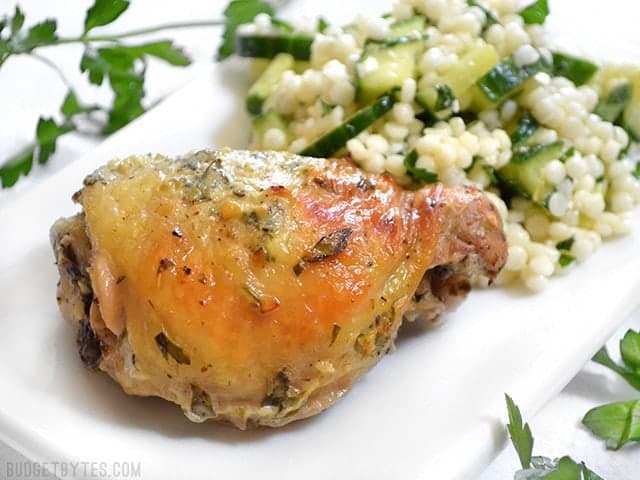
column 619, row 423
column 105, row 59
column 536, row 467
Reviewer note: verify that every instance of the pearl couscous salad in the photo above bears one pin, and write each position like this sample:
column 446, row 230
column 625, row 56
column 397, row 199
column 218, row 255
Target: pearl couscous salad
column 462, row 92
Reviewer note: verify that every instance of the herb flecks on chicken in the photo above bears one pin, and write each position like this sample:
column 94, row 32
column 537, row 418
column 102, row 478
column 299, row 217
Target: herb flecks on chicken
column 256, row 288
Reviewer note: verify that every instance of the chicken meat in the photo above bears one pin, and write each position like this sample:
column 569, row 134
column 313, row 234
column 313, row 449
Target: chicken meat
column 256, row 287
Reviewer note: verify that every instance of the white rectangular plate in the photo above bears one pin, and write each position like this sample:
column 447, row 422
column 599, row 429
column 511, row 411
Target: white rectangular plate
column 431, row 409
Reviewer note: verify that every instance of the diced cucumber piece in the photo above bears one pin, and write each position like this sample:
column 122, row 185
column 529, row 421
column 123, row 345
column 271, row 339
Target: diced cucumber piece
column 524, row 174
column 437, row 100
column 479, row 101
column 631, row 115
column 332, row 142
column 413, row 27
column 301, row 66
column 419, row 174
column 631, row 121
column 265, row 122
column 611, row 107
column 472, row 65
column 268, row 81
column 507, row 77
column 578, row 70
column 269, row 45
column 257, row 66
column 383, row 67
column 525, row 128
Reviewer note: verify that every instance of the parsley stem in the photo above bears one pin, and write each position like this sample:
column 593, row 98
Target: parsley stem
column 53, row 66
column 142, row 31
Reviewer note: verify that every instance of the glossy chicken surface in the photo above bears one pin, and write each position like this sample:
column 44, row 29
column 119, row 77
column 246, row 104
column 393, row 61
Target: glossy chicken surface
column 256, row 287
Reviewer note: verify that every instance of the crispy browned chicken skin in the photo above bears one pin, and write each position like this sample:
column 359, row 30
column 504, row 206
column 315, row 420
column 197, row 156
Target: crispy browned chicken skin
column 255, row 288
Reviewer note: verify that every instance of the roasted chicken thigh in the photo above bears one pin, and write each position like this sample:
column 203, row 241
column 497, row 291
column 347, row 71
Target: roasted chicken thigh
column 256, row 287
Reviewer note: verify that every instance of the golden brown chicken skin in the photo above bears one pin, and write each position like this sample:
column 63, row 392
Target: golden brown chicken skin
column 256, row 287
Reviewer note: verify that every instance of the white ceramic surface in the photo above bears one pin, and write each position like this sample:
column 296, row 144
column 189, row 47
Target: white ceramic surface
column 430, row 410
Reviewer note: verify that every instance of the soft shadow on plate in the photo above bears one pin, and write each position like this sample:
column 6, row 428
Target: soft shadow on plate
column 236, row 129
column 599, row 388
column 417, row 329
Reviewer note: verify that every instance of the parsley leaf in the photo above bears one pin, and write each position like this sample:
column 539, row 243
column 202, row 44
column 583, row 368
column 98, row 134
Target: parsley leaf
column 127, row 82
column 39, row 35
column 17, row 21
column 70, row 105
column 630, row 350
column 94, row 66
column 588, row 474
column 18, row 165
column 630, row 371
column 128, row 89
column 4, row 51
column 163, row 50
column 521, row 436
column 237, row 13
column 124, row 68
column 47, row 133
column 103, row 12
column 616, row 423
column 567, row 469
column 418, row 173
column 636, row 172
column 564, row 247
column 323, row 24
column 536, row 13
column 566, row 260
column 566, row 244
column 619, row 423
column 17, row 41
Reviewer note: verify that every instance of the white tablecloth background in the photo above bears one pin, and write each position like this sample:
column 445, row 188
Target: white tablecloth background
column 28, row 89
